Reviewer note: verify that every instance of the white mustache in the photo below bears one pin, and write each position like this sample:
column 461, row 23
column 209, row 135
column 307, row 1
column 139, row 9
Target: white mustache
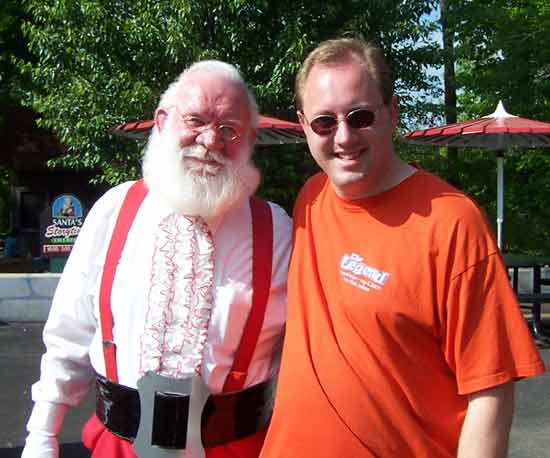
column 200, row 152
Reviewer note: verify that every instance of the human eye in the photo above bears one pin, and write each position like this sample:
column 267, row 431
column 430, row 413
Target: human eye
column 360, row 118
column 324, row 124
column 228, row 132
column 193, row 121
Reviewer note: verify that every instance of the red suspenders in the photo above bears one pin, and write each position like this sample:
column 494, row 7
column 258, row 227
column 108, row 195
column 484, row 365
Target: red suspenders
column 262, row 248
column 262, row 251
column 130, row 206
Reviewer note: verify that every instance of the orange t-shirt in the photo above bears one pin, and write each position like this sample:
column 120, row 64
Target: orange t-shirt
column 399, row 305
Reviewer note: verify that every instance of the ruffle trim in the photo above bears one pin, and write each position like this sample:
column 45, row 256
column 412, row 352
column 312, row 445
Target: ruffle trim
column 180, row 298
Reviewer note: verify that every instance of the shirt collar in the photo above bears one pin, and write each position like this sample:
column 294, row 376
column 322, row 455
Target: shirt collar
column 164, row 209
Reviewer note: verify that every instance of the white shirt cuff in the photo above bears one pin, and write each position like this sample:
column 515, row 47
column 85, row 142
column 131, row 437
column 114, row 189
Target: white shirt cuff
column 38, row 445
column 46, row 418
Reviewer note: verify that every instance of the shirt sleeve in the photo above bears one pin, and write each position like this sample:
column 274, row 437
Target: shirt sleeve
column 487, row 341
column 282, row 236
column 65, row 369
column 277, row 301
column 44, row 426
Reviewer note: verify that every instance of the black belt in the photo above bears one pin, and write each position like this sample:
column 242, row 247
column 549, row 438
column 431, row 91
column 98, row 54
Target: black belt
column 226, row 417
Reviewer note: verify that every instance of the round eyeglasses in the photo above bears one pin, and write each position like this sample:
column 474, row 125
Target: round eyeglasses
column 197, row 124
column 327, row 124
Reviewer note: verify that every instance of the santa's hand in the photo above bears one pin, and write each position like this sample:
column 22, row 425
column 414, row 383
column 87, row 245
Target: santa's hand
column 44, row 426
column 39, row 445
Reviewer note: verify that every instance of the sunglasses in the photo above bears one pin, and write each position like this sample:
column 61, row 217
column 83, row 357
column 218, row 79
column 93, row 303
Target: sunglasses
column 356, row 119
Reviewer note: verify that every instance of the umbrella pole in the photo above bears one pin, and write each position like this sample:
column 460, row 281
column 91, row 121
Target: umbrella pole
column 500, row 196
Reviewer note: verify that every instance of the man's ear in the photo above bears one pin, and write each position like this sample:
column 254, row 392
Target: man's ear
column 252, row 137
column 161, row 115
column 300, row 114
column 394, row 111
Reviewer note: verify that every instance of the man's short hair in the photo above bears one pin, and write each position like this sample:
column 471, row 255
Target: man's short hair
column 340, row 51
column 216, row 67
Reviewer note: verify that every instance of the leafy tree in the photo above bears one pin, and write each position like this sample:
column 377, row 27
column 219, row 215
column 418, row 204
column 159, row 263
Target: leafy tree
column 12, row 46
column 99, row 63
column 504, row 56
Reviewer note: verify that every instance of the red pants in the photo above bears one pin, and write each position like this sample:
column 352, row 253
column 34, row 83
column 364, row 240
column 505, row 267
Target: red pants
column 104, row 444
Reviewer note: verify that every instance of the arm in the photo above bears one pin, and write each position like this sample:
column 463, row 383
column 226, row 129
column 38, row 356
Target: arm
column 65, row 373
column 65, row 370
column 487, row 423
column 44, row 426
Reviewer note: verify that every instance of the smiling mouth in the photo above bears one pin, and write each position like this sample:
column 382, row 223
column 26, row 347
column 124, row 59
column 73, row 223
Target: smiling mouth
column 351, row 156
column 202, row 161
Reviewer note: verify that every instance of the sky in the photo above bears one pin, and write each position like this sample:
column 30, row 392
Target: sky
column 434, row 71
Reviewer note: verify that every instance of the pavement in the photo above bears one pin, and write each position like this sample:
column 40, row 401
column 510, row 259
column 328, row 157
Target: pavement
column 21, row 348
column 20, row 351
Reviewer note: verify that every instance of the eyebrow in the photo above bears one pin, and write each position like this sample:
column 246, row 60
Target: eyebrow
column 221, row 120
column 235, row 121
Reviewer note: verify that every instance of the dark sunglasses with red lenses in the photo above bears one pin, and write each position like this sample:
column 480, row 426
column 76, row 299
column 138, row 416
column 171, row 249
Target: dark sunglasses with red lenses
column 356, row 119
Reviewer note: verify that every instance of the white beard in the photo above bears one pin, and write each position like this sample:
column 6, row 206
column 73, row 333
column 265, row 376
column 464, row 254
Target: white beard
column 207, row 191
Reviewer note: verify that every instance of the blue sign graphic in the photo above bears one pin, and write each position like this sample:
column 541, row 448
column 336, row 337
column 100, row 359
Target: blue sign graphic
column 66, row 206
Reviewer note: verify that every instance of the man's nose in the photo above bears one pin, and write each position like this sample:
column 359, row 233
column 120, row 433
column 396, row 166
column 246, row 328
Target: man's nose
column 344, row 133
column 210, row 137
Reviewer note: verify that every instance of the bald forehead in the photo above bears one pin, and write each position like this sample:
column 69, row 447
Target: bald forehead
column 216, row 93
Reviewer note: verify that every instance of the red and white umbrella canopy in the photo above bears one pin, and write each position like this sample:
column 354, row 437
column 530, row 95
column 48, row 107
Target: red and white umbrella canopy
column 498, row 132
column 271, row 131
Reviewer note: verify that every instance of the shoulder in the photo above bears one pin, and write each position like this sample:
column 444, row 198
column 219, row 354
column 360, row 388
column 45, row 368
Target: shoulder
column 282, row 225
column 110, row 202
column 445, row 200
column 94, row 236
column 104, row 211
column 311, row 190
column 279, row 215
column 313, row 186
column 114, row 196
column 239, row 217
column 455, row 221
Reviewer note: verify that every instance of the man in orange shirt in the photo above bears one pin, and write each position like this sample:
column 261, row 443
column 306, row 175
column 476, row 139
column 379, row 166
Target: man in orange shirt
column 404, row 337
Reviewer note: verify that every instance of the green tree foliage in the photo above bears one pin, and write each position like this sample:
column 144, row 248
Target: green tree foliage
column 98, row 63
column 95, row 63
column 12, row 46
column 502, row 54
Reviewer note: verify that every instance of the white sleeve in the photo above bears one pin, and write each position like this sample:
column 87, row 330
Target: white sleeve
column 282, row 238
column 282, row 241
column 44, row 426
column 65, row 369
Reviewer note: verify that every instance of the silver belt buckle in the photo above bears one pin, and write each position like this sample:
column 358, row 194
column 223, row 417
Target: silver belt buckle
column 151, row 384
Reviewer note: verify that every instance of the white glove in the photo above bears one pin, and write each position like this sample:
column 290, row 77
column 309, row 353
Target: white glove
column 38, row 445
column 43, row 426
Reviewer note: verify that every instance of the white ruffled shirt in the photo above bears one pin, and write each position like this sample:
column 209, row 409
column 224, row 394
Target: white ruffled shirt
column 72, row 334
column 180, row 299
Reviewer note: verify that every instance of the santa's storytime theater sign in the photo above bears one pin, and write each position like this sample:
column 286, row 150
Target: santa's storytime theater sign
column 60, row 223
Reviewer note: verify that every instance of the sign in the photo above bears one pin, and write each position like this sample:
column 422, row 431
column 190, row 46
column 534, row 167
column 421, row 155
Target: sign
column 60, row 224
